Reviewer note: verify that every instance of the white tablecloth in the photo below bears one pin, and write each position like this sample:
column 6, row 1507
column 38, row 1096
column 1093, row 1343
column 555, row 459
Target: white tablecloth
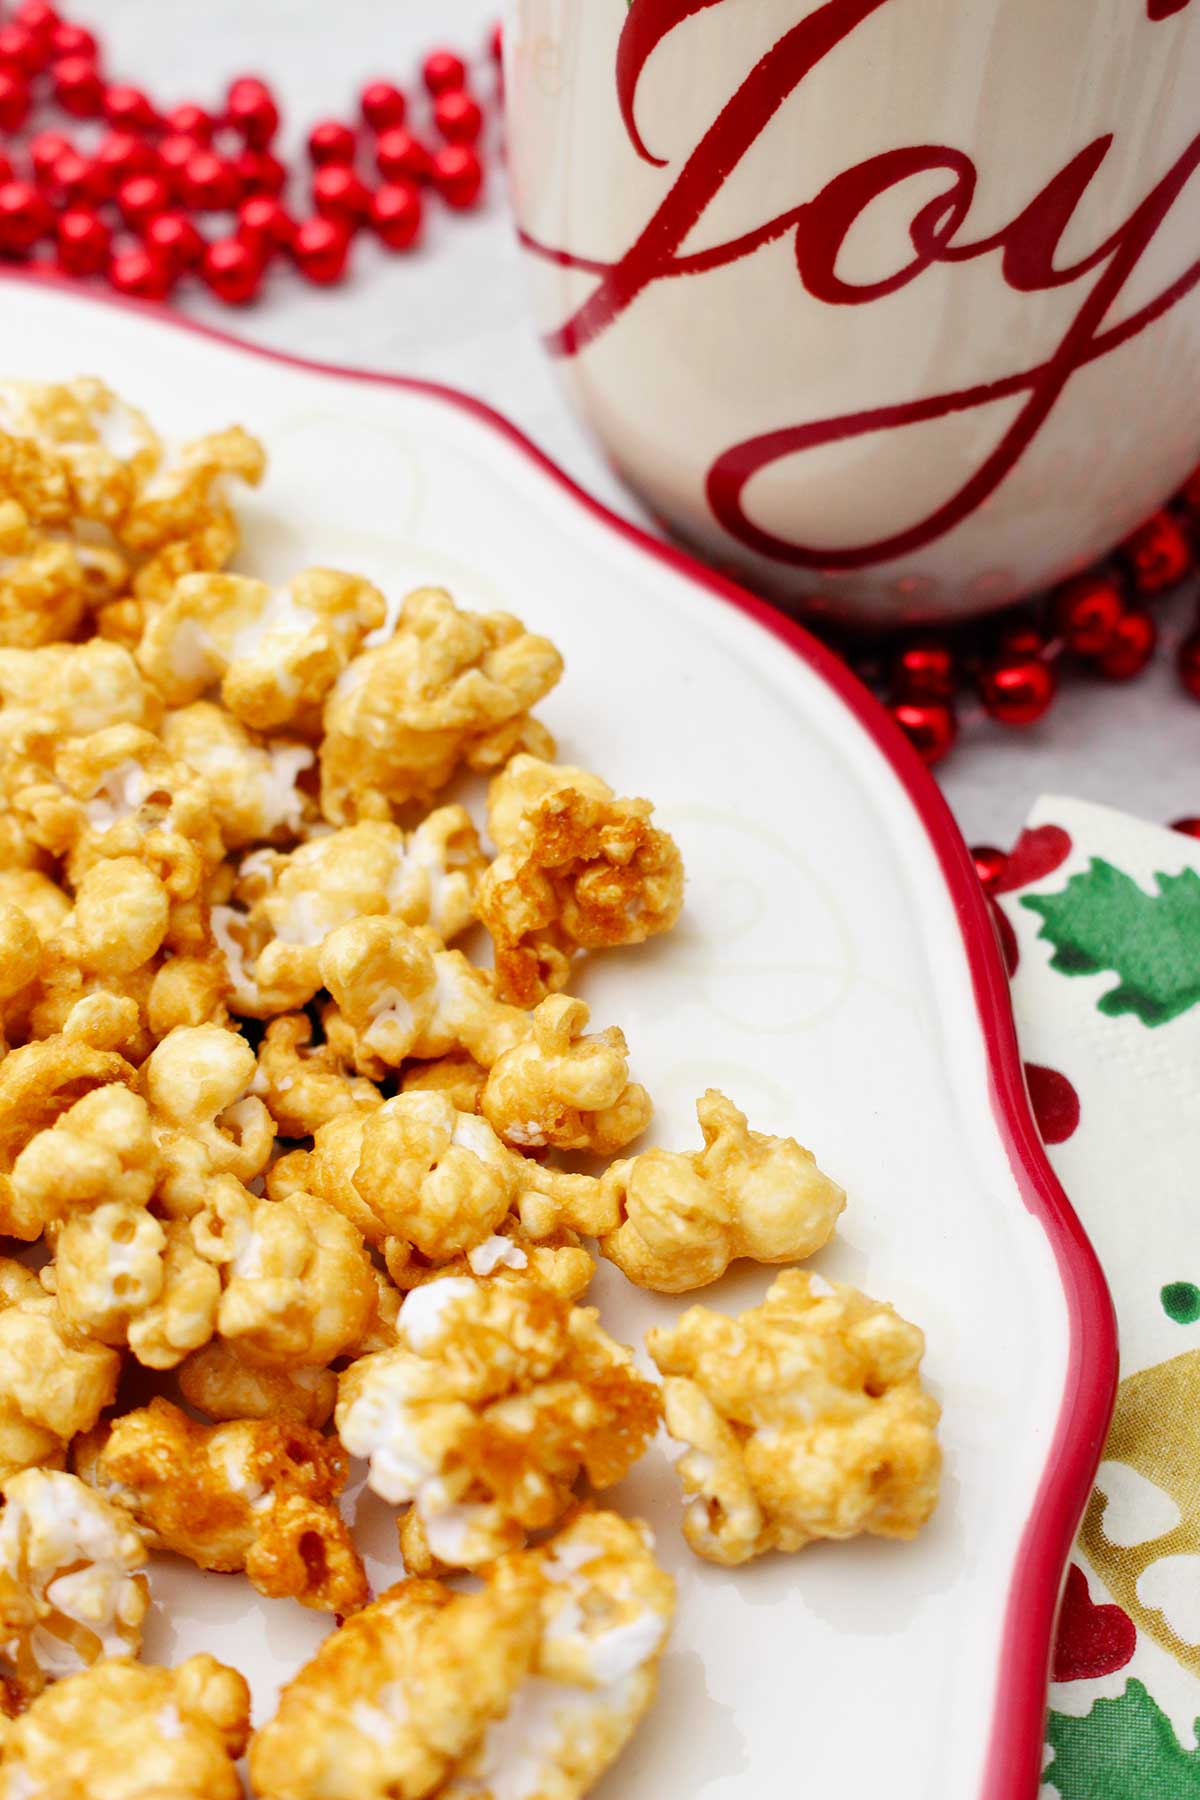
column 455, row 312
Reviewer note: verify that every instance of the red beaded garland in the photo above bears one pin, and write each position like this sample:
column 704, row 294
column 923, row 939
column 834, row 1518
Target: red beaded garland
column 320, row 249
column 458, row 116
column 120, row 155
column 1086, row 612
column 21, row 50
column 1159, row 553
column 396, row 212
column 190, row 121
column 175, row 239
column 37, row 17
column 6, row 169
column 330, row 141
column 250, row 108
column 79, row 179
column 72, row 40
column 929, row 725
column 1017, row 689
column 24, row 218
column 925, row 668
column 443, row 70
column 1188, row 663
column 382, row 105
column 175, row 152
column 259, row 172
column 457, row 175
column 232, row 270
column 128, row 108
column 15, row 100
column 1189, row 826
column 78, row 87
column 402, row 157
column 339, row 193
column 264, row 225
column 989, row 863
column 140, row 198
column 83, row 242
column 209, row 183
column 1020, row 636
column 1131, row 647
column 141, row 274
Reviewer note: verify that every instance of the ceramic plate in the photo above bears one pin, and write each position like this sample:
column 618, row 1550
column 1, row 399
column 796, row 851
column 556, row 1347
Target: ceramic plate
column 834, row 972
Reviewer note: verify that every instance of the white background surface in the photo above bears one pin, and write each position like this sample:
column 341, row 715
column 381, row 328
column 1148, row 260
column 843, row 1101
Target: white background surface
column 455, row 312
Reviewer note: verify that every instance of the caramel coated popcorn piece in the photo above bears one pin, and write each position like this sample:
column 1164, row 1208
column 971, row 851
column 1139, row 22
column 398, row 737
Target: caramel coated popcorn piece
column 562, row 1087
column 254, row 1494
column 53, row 1382
column 68, row 1594
column 529, row 1688
column 124, row 1277
column 803, row 1418
column 219, row 1381
column 305, row 1085
column 125, row 1731
column 578, row 869
column 687, row 1214
column 42, row 591
column 72, row 689
column 275, row 652
column 39, row 1083
column 207, row 1121
column 497, row 1398
column 253, row 783
column 299, row 1289
column 447, row 688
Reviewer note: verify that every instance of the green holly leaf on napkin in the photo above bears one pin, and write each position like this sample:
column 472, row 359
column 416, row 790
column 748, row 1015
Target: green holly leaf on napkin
column 1124, row 1749
column 1103, row 920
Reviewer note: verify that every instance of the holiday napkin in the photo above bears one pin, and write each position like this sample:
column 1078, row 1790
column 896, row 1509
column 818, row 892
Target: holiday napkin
column 1101, row 915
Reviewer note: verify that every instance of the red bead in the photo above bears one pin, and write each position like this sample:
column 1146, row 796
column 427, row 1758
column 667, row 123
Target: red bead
column 1188, row 664
column 83, row 242
column 1020, row 636
column 320, row 248
column 24, row 218
column 496, row 41
column 442, row 70
column 339, row 193
column 1159, row 553
column 232, row 270
column 141, row 274
column 209, row 183
column 330, row 141
column 1016, row 690
column 1131, row 647
column 38, row 17
column 989, row 863
column 141, row 198
column 382, row 105
column 402, row 157
column 458, row 116
column 128, row 108
column 264, row 225
column 396, row 214
column 259, row 172
column 1086, row 613
column 78, row 87
column 457, row 175
column 175, row 239
column 925, row 669
column 73, row 40
column 120, row 155
column 1189, row 494
column 190, row 121
column 1189, row 826
column 21, row 50
column 175, row 152
column 44, row 151
column 79, row 179
column 929, row 725
column 6, row 168
column 14, row 99
column 250, row 108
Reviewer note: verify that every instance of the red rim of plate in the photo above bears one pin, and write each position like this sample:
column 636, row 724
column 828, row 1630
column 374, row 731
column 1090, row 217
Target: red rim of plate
column 1015, row 1748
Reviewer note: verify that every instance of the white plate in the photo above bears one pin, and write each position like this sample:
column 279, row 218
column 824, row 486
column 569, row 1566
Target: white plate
column 834, row 972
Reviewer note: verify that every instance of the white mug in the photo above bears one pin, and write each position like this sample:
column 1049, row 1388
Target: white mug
column 891, row 306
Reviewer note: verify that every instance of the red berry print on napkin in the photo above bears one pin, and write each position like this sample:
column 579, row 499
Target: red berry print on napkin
column 1092, row 1640
column 1162, row 9
column 1055, row 1103
column 1037, row 853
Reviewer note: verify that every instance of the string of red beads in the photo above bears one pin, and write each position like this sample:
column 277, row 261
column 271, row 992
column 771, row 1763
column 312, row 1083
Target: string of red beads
column 1098, row 623
column 130, row 197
